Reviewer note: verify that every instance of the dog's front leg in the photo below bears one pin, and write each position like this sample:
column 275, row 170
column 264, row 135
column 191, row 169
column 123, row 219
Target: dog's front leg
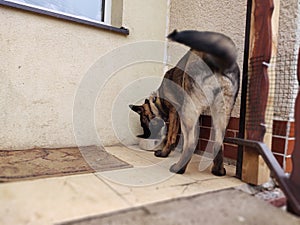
column 172, row 135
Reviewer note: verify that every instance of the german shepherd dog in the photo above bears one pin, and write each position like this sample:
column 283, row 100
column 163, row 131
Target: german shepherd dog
column 206, row 77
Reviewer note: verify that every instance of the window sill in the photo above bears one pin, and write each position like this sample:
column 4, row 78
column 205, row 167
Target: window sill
column 120, row 30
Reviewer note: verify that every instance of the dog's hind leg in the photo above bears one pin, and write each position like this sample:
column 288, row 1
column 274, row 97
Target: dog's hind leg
column 220, row 121
column 190, row 131
column 173, row 130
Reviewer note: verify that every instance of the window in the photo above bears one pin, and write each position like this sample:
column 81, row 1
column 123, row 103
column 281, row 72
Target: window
column 92, row 12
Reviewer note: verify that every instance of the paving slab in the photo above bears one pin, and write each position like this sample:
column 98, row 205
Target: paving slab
column 49, row 200
column 226, row 207
column 57, row 199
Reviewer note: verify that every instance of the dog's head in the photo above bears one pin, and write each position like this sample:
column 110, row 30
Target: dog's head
column 151, row 123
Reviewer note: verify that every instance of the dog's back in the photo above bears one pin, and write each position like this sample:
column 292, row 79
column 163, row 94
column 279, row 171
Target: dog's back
column 209, row 69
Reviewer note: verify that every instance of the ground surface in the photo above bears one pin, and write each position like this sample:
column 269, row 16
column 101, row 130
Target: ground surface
column 68, row 198
column 227, row 207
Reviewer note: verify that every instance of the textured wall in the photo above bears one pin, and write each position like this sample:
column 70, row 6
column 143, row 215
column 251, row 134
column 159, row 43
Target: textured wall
column 288, row 46
column 289, row 26
column 226, row 16
column 43, row 61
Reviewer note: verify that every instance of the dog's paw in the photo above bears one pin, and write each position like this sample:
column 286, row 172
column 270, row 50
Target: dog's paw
column 145, row 136
column 160, row 153
column 176, row 169
column 218, row 172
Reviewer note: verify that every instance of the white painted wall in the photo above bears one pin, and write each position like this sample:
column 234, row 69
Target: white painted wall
column 44, row 61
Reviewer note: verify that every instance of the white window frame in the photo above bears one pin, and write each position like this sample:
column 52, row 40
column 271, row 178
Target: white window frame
column 66, row 14
column 107, row 11
column 106, row 24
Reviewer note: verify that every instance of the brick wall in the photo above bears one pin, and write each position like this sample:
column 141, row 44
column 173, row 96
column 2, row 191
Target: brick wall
column 230, row 151
column 282, row 140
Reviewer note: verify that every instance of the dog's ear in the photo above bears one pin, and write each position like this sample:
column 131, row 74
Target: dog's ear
column 136, row 108
column 146, row 101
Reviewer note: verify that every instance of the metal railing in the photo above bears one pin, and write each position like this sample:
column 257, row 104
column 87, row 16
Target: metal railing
column 290, row 184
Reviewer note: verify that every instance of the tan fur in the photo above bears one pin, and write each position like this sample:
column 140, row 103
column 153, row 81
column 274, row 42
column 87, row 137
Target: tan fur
column 195, row 85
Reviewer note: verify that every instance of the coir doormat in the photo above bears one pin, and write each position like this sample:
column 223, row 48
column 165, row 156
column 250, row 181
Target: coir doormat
column 19, row 165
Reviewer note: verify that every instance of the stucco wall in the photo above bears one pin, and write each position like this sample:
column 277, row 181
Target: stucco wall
column 289, row 26
column 226, row 16
column 44, row 60
column 286, row 65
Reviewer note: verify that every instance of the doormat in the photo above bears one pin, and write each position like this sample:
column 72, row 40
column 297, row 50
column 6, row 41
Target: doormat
column 17, row 165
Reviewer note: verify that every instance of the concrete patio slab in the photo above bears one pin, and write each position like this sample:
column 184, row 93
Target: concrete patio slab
column 227, row 207
column 58, row 199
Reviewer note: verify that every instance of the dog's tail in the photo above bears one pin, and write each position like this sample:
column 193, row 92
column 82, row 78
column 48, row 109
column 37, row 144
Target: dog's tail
column 221, row 49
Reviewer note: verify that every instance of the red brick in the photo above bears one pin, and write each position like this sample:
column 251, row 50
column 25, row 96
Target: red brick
column 278, row 145
column 205, row 133
column 206, row 121
column 197, row 150
column 230, row 151
column 290, row 148
column 280, row 128
column 292, row 129
column 233, row 123
column 204, row 145
column 279, row 159
column 230, row 133
column 288, row 165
